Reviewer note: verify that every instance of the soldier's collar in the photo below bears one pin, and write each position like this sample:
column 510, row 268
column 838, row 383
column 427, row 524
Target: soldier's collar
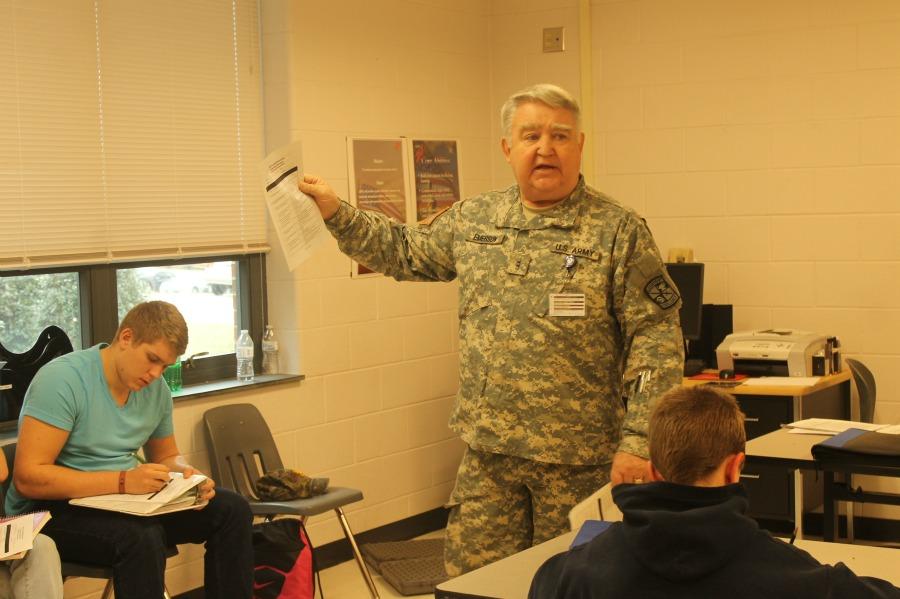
column 565, row 214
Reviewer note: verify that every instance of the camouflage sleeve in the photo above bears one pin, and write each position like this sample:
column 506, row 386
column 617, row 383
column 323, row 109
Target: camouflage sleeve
column 646, row 303
column 423, row 252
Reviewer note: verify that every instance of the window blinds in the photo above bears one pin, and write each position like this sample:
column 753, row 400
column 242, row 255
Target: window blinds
column 129, row 130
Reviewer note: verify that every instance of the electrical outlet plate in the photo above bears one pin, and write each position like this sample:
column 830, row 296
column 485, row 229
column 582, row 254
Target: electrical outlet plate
column 554, row 40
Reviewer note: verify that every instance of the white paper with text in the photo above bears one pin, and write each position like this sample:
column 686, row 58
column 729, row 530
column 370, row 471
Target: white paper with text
column 297, row 220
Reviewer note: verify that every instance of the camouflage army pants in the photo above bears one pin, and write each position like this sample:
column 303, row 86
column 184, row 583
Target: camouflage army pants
column 503, row 504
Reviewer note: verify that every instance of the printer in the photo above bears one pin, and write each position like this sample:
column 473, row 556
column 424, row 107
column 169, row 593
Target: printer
column 772, row 352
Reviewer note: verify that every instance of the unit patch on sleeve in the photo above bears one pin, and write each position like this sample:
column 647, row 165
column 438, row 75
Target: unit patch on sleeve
column 661, row 293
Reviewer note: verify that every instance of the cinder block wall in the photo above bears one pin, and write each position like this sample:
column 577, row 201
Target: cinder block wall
column 765, row 135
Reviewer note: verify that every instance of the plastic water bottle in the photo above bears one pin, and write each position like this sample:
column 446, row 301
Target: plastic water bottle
column 270, row 351
column 243, row 350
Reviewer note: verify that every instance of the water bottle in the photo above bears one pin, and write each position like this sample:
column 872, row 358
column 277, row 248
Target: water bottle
column 270, row 351
column 243, row 350
column 172, row 375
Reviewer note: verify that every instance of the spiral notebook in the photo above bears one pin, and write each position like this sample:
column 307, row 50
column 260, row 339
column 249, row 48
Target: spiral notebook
column 17, row 533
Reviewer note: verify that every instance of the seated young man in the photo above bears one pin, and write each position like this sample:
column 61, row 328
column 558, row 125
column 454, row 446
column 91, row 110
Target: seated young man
column 686, row 533
column 35, row 576
column 84, row 417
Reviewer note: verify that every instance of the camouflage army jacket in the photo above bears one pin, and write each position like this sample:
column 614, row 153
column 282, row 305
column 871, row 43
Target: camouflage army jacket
column 534, row 384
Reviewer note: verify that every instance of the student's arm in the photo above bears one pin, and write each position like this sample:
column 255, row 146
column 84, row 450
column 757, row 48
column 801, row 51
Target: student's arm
column 37, row 476
column 164, row 451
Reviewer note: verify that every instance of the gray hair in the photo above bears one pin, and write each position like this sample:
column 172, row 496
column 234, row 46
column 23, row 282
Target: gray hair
column 545, row 93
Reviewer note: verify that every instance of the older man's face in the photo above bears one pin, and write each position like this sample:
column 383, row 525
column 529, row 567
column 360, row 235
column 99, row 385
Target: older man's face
column 544, row 150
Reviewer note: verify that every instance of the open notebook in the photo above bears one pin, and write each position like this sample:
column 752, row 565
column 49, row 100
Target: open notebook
column 178, row 494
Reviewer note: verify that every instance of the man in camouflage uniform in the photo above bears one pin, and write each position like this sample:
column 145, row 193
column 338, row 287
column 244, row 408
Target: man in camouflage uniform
column 565, row 310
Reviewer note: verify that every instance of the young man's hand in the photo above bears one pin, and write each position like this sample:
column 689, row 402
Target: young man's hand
column 146, row 478
column 206, row 489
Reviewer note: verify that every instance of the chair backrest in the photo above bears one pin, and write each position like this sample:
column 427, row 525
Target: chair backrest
column 9, row 454
column 21, row 368
column 865, row 388
column 241, row 447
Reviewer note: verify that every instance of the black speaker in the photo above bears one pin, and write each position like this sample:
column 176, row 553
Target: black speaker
column 717, row 322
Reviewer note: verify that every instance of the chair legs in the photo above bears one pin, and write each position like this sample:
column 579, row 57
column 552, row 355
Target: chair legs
column 363, row 569
column 849, row 505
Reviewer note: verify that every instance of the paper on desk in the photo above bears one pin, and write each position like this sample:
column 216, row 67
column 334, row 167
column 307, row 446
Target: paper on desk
column 827, row 426
column 782, row 381
column 297, row 220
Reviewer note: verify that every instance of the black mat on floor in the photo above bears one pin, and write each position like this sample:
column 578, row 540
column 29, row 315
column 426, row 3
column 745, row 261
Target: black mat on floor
column 412, row 567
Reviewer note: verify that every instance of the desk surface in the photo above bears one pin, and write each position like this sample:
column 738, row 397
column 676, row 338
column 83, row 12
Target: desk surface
column 511, row 577
column 784, row 448
column 788, row 390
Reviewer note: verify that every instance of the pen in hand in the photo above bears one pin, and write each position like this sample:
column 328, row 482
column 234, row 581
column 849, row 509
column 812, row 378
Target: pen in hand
column 165, row 484
column 140, row 459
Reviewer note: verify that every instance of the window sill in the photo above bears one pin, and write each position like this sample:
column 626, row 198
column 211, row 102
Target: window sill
column 232, row 385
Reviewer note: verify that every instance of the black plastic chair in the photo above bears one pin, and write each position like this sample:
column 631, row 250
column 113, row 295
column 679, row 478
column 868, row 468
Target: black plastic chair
column 18, row 370
column 865, row 390
column 74, row 569
column 241, row 450
column 865, row 387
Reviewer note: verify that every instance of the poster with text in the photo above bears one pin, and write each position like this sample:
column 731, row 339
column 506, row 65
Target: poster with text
column 436, row 176
column 378, row 180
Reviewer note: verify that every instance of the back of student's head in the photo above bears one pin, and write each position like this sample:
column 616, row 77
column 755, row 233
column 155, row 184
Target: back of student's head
column 152, row 321
column 692, row 430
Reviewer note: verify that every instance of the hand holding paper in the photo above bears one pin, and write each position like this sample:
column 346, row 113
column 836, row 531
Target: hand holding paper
column 326, row 199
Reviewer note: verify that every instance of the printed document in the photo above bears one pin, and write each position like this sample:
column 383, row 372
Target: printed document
column 297, row 220
column 826, row 426
column 176, row 495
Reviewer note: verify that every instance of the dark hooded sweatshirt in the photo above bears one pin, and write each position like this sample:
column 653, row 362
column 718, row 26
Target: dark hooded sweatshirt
column 693, row 542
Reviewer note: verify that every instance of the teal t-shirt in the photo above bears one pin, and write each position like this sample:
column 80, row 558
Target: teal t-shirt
column 71, row 393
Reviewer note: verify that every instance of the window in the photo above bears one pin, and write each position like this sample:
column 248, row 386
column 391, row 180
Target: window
column 29, row 303
column 217, row 297
column 130, row 134
column 204, row 292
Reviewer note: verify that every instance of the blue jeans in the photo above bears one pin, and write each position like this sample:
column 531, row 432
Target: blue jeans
column 134, row 546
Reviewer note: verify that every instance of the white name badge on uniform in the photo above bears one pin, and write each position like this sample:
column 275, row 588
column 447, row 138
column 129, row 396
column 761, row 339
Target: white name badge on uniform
column 566, row 304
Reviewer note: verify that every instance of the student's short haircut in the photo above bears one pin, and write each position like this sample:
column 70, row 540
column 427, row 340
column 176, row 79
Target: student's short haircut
column 692, row 430
column 152, row 321
column 545, row 93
